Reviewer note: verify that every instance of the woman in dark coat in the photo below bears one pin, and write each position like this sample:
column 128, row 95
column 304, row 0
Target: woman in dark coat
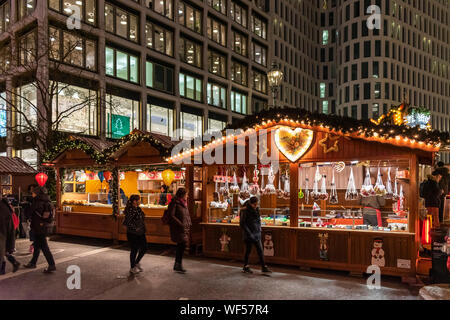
column 135, row 223
column 5, row 207
column 180, row 226
column 7, row 236
column 250, row 223
column 41, row 206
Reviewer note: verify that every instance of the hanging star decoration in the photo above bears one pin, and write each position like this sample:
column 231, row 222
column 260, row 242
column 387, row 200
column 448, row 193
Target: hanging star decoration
column 324, row 145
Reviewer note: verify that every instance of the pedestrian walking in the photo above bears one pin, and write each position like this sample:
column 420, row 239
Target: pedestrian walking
column 42, row 214
column 180, row 226
column 250, row 223
column 7, row 236
column 135, row 223
column 431, row 192
column 444, row 184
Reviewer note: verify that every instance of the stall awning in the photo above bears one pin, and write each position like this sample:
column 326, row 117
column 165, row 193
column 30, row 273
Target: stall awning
column 15, row 166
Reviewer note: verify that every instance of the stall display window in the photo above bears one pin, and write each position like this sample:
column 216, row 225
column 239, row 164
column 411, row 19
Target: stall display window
column 160, row 120
column 6, row 184
column 75, row 181
column 122, row 115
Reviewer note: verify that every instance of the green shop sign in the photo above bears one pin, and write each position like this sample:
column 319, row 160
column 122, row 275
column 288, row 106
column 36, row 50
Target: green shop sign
column 120, row 125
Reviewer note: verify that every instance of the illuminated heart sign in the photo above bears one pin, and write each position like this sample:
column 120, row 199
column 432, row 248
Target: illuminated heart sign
column 293, row 143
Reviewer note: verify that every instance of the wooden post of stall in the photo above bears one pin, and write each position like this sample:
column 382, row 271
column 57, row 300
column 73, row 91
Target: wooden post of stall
column 117, row 224
column 413, row 218
column 204, row 193
column 189, row 184
column 58, row 197
column 293, row 208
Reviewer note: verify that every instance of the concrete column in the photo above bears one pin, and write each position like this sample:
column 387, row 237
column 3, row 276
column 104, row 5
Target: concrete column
column 101, row 66
column 205, row 65
column 143, row 111
column 176, row 82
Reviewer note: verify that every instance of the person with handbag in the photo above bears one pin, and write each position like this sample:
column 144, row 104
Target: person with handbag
column 180, row 226
column 135, row 223
column 42, row 215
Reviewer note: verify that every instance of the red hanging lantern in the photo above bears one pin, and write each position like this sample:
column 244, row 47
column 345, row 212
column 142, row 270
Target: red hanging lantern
column 41, row 178
column 107, row 175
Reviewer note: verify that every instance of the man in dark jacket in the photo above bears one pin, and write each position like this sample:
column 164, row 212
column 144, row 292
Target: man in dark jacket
column 40, row 208
column 444, row 184
column 432, row 195
column 250, row 223
column 180, row 226
column 7, row 236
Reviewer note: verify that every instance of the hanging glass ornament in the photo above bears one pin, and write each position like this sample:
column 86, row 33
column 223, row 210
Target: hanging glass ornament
column 280, row 191
column 315, row 194
column 307, row 192
column 367, row 188
column 380, row 189
column 224, row 190
column 395, row 194
column 234, row 189
column 323, row 189
column 287, row 187
column 254, row 187
column 333, row 192
column 270, row 187
column 389, row 192
column 351, row 193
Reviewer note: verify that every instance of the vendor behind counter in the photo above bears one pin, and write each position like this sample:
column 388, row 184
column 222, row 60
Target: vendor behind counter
column 371, row 210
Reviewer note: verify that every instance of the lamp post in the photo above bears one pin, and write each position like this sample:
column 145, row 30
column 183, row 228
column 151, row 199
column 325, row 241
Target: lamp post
column 275, row 76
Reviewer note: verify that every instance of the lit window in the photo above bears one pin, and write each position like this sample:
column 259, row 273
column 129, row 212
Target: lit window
column 27, row 48
column 259, row 81
column 322, row 90
column 216, row 95
column 191, row 125
column 191, row 52
column 3, row 119
column 217, row 63
column 190, row 87
column 325, row 37
column 259, row 54
column 239, row 73
column 163, row 7
column 239, row 43
column 25, row 8
column 121, row 22
column 86, row 8
column 159, row 38
column 4, row 16
column 238, row 102
column 27, row 98
column 122, row 65
column 216, row 125
column 239, row 14
column 190, row 17
column 122, row 115
column 259, row 27
column 29, row 156
column 217, row 31
column 160, row 120
column 159, row 77
column 5, row 58
column 218, row 5
column 325, row 107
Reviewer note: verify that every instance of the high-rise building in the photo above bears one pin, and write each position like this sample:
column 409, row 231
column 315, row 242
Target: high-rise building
column 193, row 65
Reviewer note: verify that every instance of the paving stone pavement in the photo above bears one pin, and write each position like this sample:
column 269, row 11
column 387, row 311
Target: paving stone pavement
column 104, row 275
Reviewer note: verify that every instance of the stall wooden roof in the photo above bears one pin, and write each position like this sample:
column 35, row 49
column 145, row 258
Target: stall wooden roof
column 15, row 166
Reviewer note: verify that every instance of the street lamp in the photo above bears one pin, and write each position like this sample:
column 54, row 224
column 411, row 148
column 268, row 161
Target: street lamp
column 275, row 76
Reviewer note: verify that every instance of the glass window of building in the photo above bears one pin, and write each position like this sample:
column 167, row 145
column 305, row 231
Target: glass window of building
column 5, row 57
column 375, row 69
column 160, row 120
column 354, row 112
column 87, row 8
column 3, row 117
column 377, row 90
column 5, row 14
column 75, row 109
column 121, row 22
column 30, row 156
column 375, row 111
column 259, row 81
column 27, row 99
column 122, row 65
column 216, row 95
column 190, row 17
column 163, row 7
column 218, row 5
column 366, row 90
column 322, row 89
column 191, row 125
column 259, row 54
column 355, row 92
column 122, row 115
column 239, row 14
column 25, row 8
column 27, row 48
column 238, row 102
column 259, row 105
column 76, row 50
column 191, row 87
column 239, row 43
column 159, row 38
column 238, row 73
column 259, row 27
column 354, row 72
column 190, row 52
column 217, row 63
column 217, row 31
column 216, row 125
column 364, row 111
column 325, row 107
column 324, row 37
column 356, row 50
column 364, row 70
column 159, row 77
column 367, row 49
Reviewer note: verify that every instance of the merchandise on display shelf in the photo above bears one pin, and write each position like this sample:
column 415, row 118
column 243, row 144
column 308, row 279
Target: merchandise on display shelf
column 254, row 187
column 315, row 194
column 224, row 190
column 234, row 189
column 351, row 193
column 389, row 192
column 380, row 189
column 367, row 187
column 395, row 193
column 333, row 192
column 307, row 192
column 244, row 185
column 287, row 187
column 323, row 189
column 270, row 187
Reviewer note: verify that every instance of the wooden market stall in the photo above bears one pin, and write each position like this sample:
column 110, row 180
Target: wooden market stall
column 15, row 176
column 96, row 177
column 313, row 215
